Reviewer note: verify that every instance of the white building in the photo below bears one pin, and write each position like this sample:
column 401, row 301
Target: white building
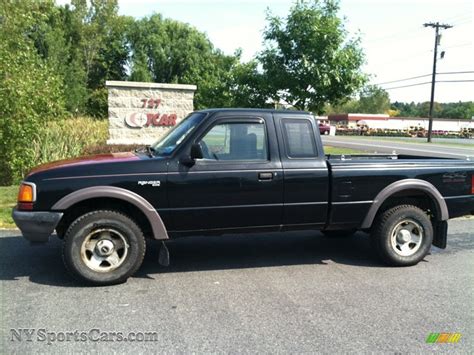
column 353, row 120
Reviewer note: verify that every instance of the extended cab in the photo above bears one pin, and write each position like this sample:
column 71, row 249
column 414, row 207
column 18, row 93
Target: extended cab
column 238, row 170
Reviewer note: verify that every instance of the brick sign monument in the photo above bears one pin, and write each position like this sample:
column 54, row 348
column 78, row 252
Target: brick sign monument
column 140, row 113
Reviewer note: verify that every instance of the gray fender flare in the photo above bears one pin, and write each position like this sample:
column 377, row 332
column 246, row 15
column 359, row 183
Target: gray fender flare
column 407, row 184
column 157, row 225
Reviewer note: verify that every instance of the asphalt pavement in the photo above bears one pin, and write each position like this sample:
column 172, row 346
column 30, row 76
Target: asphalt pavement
column 272, row 293
column 400, row 147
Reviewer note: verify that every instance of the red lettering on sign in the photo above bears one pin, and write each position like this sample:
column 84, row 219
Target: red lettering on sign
column 150, row 103
column 142, row 119
column 173, row 117
column 164, row 120
column 152, row 119
column 155, row 121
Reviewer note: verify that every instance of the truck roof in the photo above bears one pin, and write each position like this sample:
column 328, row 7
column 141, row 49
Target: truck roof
column 267, row 110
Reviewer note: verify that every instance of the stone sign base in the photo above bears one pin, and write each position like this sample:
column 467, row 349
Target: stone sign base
column 141, row 113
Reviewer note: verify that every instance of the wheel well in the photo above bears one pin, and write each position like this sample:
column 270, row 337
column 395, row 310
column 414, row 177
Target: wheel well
column 102, row 203
column 413, row 197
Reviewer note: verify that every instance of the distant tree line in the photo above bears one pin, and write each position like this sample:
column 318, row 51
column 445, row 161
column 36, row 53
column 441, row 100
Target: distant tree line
column 374, row 100
column 459, row 110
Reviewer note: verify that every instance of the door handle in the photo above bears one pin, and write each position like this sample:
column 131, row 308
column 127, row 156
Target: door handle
column 265, row 176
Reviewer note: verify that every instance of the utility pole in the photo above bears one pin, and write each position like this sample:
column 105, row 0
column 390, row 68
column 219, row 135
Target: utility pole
column 437, row 26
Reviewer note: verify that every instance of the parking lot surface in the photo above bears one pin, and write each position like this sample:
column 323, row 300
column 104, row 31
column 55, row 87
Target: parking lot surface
column 285, row 293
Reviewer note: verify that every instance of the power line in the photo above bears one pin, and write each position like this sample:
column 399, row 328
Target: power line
column 463, row 22
column 456, row 81
column 456, row 17
column 422, row 76
column 389, row 40
column 406, row 79
column 419, row 54
column 461, row 19
column 395, row 59
column 459, row 45
column 407, row 86
column 456, row 72
column 429, row 82
column 402, row 34
column 394, row 34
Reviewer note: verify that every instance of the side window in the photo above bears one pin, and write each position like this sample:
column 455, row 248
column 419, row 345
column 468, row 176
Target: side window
column 236, row 141
column 299, row 138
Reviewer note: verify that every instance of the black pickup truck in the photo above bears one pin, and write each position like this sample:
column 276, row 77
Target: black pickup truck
column 233, row 171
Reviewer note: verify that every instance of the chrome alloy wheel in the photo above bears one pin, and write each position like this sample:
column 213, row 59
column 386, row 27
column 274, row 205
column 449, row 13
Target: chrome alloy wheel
column 406, row 237
column 104, row 250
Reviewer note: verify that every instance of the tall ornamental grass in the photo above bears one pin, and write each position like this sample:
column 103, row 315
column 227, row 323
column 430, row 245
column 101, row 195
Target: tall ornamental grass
column 68, row 138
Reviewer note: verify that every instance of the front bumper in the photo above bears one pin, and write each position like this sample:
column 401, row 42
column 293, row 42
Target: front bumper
column 36, row 226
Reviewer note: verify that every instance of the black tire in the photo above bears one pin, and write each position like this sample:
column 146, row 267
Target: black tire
column 347, row 233
column 385, row 240
column 122, row 231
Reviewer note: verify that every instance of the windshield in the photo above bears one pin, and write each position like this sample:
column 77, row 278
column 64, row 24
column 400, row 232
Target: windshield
column 167, row 144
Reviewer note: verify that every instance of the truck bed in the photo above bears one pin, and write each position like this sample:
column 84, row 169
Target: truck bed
column 357, row 180
column 383, row 157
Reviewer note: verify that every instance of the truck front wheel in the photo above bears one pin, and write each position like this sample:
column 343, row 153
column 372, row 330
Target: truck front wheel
column 402, row 235
column 103, row 248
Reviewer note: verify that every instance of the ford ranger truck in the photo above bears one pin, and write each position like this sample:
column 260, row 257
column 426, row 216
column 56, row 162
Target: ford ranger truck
column 238, row 171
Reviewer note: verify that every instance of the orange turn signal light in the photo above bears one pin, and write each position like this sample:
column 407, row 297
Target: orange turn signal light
column 26, row 193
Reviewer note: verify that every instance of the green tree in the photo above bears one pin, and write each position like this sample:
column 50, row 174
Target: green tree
column 347, row 106
column 309, row 60
column 94, row 50
column 406, row 109
column 169, row 51
column 30, row 90
column 373, row 99
column 459, row 110
column 249, row 87
column 140, row 70
column 424, row 109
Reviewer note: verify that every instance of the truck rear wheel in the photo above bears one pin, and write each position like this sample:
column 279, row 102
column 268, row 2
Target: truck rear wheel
column 103, row 248
column 402, row 235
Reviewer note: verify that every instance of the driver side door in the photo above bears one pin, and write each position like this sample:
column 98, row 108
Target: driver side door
column 238, row 184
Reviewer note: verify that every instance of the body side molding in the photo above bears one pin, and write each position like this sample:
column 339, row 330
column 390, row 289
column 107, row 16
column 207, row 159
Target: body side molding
column 407, row 184
column 157, row 225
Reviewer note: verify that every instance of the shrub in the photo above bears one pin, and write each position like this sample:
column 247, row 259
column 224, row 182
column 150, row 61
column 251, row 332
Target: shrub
column 30, row 90
column 24, row 105
column 97, row 104
column 67, row 138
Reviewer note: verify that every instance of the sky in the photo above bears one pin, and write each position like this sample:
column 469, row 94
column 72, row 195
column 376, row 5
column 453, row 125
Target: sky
column 395, row 42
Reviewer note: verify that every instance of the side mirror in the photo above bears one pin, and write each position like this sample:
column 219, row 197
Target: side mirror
column 196, row 153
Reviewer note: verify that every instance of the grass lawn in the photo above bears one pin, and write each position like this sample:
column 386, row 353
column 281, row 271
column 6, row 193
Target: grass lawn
column 8, row 196
column 454, row 144
column 339, row 150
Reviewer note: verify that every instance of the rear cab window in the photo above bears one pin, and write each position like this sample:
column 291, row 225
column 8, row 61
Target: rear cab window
column 299, row 138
